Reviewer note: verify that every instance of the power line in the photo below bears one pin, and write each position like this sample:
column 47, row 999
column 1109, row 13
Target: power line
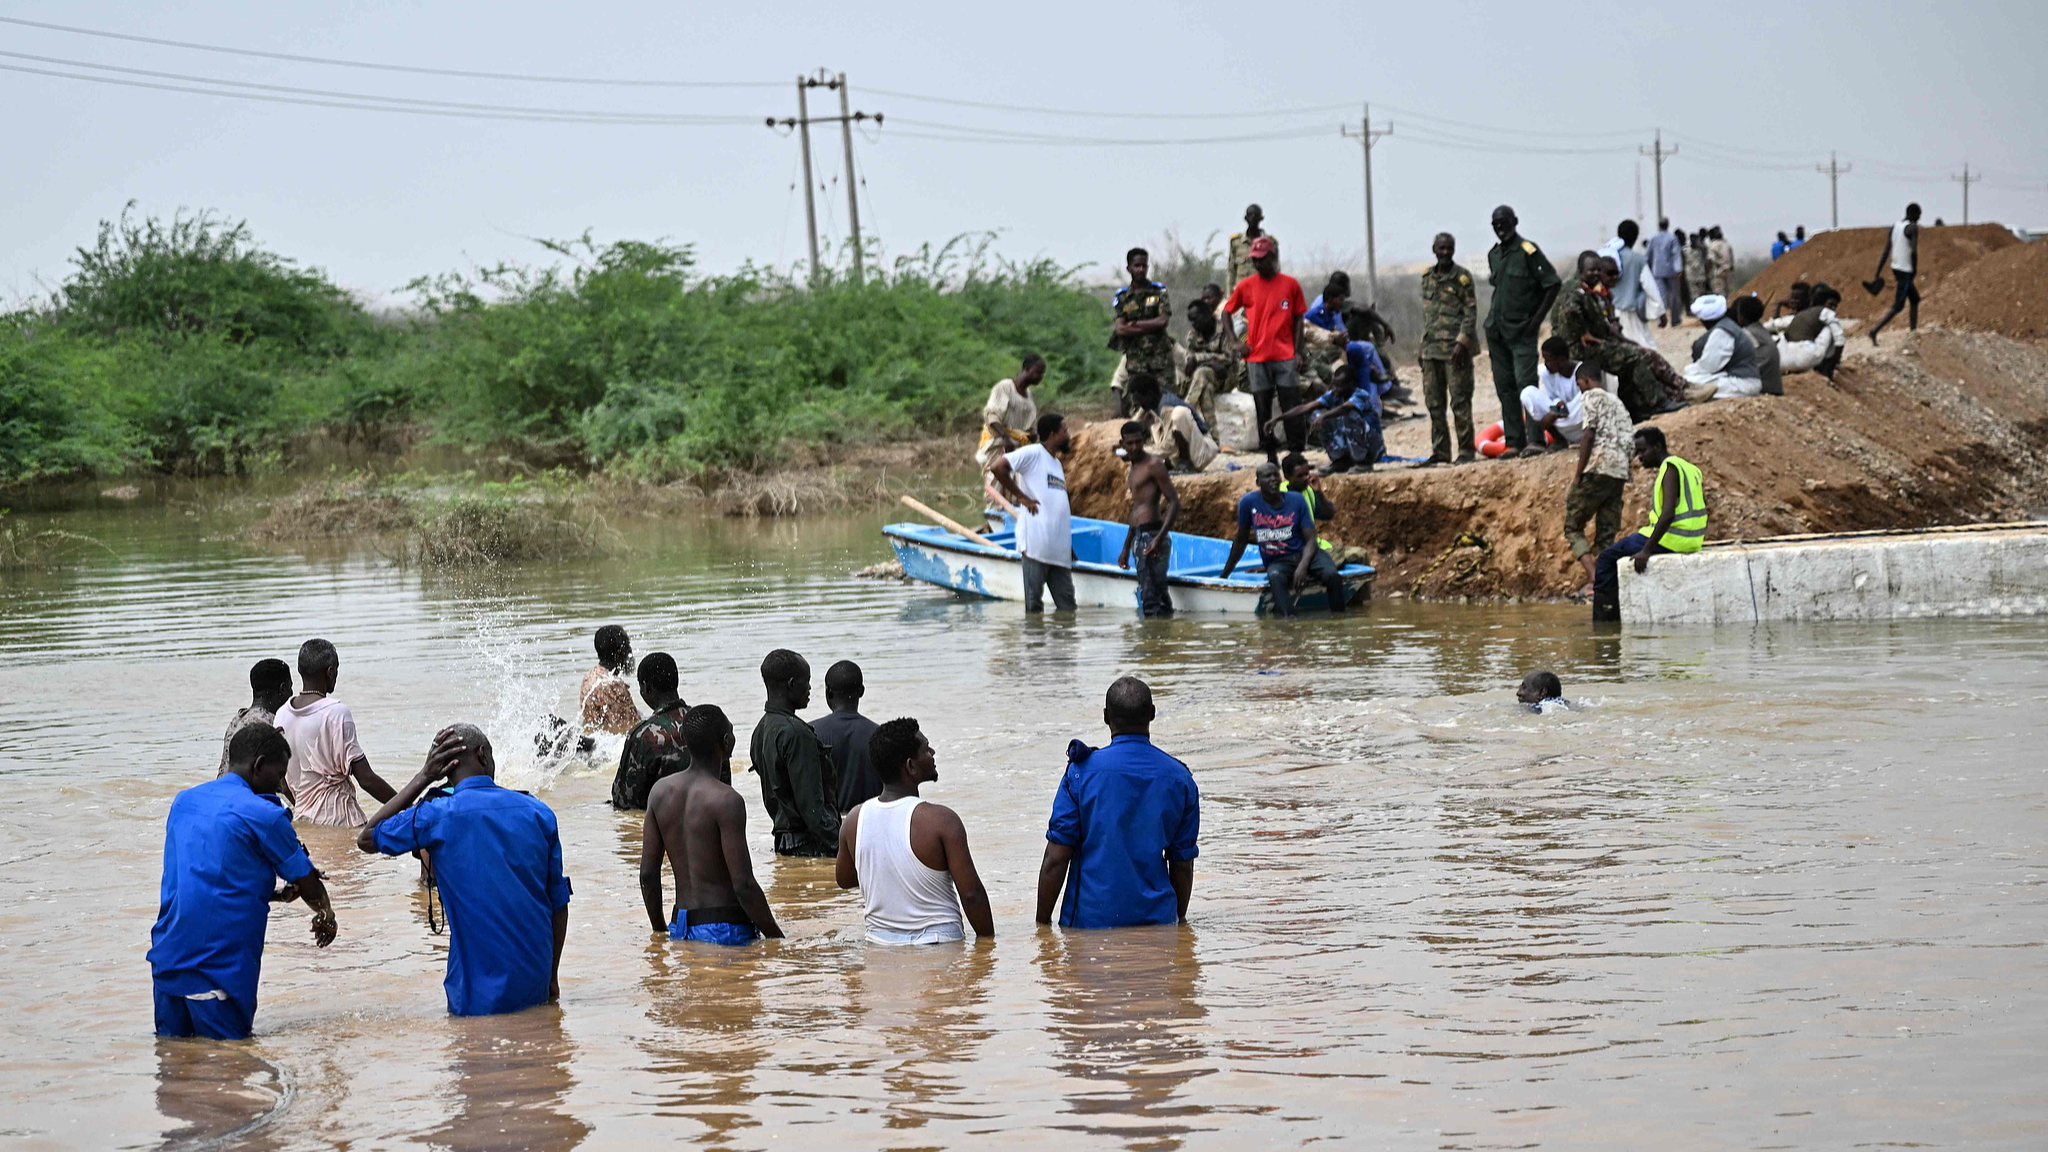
column 1258, row 114
column 418, row 70
column 373, row 98
column 312, row 102
column 968, row 133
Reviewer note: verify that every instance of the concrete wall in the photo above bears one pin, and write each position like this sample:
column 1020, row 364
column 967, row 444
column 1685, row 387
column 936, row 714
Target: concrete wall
column 2001, row 572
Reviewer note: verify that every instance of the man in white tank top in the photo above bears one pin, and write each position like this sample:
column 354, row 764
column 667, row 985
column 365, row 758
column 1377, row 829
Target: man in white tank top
column 909, row 858
column 1902, row 252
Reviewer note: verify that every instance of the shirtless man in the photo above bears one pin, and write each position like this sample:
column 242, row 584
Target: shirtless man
column 1150, row 486
column 700, row 824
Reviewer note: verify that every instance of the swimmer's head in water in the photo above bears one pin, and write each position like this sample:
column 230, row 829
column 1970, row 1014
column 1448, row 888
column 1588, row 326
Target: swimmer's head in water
column 787, row 676
column 259, row 754
column 319, row 665
column 614, row 647
column 1127, row 706
column 844, row 683
column 659, row 679
column 1538, row 687
column 708, row 735
column 901, row 754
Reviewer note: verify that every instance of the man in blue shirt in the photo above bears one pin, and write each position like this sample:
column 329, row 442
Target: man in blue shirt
column 1286, row 532
column 1121, row 843
column 497, row 857
column 223, row 842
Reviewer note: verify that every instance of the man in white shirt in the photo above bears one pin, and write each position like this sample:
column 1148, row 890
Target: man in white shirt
column 1552, row 403
column 1007, row 418
column 1033, row 479
column 1726, row 364
column 908, row 857
column 1636, row 288
column 1902, row 250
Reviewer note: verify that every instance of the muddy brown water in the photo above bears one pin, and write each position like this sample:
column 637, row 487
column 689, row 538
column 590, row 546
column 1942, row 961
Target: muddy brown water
column 1765, row 888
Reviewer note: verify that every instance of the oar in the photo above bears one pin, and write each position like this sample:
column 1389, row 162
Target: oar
column 950, row 524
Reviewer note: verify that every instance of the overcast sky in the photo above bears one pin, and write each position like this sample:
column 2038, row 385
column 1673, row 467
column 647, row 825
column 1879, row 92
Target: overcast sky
column 1754, row 95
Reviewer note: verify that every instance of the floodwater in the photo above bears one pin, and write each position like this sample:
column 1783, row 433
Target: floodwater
column 1772, row 888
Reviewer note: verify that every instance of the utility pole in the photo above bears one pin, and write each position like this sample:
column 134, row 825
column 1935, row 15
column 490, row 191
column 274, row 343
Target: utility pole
column 802, row 123
column 1658, row 153
column 1639, row 191
column 1833, row 172
column 1367, row 137
column 1966, row 180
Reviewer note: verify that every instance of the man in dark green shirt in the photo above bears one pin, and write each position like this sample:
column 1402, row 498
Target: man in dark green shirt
column 798, row 784
column 655, row 748
column 1524, row 287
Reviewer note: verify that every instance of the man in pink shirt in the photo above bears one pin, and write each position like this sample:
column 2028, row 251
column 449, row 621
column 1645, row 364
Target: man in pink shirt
column 327, row 763
column 1273, row 306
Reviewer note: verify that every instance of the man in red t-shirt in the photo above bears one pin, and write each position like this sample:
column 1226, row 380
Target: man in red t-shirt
column 1273, row 306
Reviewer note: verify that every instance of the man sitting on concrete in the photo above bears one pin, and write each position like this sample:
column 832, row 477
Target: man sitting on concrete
column 1678, row 522
column 1724, row 362
column 1174, row 434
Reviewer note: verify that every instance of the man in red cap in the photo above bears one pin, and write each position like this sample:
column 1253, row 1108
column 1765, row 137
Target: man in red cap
column 1273, row 305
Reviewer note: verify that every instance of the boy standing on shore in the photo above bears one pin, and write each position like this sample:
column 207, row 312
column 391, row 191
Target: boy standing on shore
column 1606, row 439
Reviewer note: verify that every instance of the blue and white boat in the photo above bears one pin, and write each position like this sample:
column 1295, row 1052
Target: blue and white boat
column 1194, row 569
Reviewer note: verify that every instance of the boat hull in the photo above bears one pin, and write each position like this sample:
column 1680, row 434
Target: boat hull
column 946, row 560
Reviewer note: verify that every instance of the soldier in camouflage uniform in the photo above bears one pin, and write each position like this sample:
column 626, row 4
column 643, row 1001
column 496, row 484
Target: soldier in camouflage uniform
column 655, row 748
column 1585, row 320
column 1450, row 321
column 1241, row 255
column 1212, row 362
column 1139, row 330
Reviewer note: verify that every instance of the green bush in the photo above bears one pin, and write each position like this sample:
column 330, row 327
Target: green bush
column 186, row 346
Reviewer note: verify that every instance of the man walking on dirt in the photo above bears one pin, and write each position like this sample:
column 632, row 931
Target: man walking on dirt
column 1524, row 287
column 1148, row 537
column 699, row 823
column 1902, row 249
column 1450, row 335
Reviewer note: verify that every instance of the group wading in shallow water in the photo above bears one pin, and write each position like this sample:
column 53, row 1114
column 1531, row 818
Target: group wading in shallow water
column 1120, row 842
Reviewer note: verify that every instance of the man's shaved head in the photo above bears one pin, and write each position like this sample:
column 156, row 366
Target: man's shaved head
column 1128, row 703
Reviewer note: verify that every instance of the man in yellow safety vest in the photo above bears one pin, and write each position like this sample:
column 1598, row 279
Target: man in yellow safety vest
column 1678, row 521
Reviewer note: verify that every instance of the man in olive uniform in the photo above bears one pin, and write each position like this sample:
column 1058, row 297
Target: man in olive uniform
column 1214, row 361
column 1585, row 320
column 1241, row 243
column 1450, row 320
column 1139, row 330
column 1524, row 287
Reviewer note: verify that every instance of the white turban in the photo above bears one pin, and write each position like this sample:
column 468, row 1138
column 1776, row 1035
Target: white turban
column 1710, row 307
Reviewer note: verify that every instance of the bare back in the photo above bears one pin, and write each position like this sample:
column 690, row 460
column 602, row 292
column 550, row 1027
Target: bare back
column 701, row 822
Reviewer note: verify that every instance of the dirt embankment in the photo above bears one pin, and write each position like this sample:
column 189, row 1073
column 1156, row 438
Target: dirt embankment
column 1845, row 258
column 2006, row 291
column 1937, row 428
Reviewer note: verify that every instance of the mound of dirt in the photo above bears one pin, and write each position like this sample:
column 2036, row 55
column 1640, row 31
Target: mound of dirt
column 2005, row 292
column 1938, row 428
column 1845, row 259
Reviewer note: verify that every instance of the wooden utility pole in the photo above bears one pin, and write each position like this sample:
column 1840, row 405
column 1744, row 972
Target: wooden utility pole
column 802, row 122
column 1658, row 153
column 1367, row 136
column 1833, row 172
column 1966, row 180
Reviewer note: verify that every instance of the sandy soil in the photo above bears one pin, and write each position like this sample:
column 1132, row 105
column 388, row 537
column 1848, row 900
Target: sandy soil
column 1939, row 427
column 1846, row 258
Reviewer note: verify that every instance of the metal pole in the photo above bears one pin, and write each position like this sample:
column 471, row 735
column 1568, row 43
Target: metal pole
column 852, row 194
column 1660, row 173
column 1372, row 264
column 803, row 127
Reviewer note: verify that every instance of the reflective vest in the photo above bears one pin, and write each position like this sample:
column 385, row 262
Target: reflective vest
column 1689, row 524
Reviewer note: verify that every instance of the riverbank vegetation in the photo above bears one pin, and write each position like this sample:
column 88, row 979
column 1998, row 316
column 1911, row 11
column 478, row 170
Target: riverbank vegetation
column 183, row 346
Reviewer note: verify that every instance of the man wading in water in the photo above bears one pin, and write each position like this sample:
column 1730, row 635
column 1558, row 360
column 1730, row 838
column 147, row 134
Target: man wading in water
column 1149, row 486
column 700, row 823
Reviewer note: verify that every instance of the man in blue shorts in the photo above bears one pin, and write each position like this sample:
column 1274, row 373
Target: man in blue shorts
column 699, row 822
column 497, row 856
column 1286, row 533
column 1122, row 841
column 223, row 842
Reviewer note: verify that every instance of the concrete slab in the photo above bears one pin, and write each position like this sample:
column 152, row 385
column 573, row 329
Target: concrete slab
column 1988, row 570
